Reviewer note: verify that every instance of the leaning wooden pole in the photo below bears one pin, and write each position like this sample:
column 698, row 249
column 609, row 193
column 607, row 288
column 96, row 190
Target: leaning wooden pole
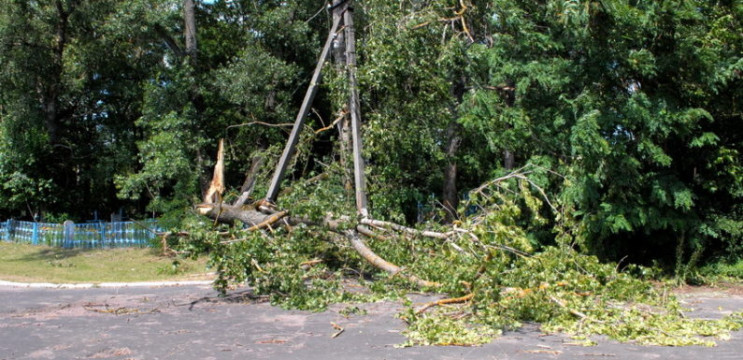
column 291, row 143
column 353, row 107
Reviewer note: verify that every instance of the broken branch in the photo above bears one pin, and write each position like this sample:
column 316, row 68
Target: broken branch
column 335, row 122
column 572, row 311
column 261, row 123
column 457, row 300
column 383, row 264
column 405, row 229
column 271, row 219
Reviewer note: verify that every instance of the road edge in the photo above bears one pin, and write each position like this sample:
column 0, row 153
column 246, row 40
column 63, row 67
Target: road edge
column 42, row 285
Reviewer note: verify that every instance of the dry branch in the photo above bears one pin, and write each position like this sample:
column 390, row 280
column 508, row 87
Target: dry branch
column 270, row 221
column 251, row 216
column 457, row 300
column 261, row 123
column 249, row 183
column 564, row 306
column 335, row 122
column 363, row 230
column 407, row 230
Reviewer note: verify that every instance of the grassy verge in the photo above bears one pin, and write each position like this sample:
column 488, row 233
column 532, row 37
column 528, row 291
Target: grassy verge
column 724, row 270
column 29, row 263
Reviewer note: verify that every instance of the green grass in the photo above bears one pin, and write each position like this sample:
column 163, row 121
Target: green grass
column 723, row 270
column 33, row 263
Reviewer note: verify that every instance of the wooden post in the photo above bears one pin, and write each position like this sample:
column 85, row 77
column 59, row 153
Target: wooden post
column 353, row 107
column 291, row 143
column 344, row 125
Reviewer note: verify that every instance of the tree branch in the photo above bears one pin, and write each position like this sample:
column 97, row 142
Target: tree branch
column 411, row 231
column 457, row 300
column 383, row 264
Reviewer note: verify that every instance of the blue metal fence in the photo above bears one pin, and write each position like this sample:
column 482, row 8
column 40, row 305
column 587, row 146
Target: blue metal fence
column 71, row 235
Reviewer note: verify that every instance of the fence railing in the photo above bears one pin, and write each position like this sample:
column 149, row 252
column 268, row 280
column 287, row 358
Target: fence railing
column 84, row 235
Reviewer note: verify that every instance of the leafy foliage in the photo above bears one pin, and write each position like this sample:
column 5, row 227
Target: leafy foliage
column 494, row 263
column 635, row 104
column 112, row 116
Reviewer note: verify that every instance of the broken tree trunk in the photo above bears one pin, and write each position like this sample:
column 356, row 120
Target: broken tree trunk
column 229, row 213
column 216, row 188
column 258, row 220
column 249, row 183
column 257, row 216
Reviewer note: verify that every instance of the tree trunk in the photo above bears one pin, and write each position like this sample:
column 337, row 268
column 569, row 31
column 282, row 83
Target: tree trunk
column 509, row 94
column 50, row 92
column 197, row 100
column 450, row 194
column 189, row 16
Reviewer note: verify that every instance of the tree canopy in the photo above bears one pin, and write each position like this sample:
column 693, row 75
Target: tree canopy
column 538, row 137
column 630, row 111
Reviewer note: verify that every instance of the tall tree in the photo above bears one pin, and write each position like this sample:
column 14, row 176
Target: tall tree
column 70, row 95
column 601, row 94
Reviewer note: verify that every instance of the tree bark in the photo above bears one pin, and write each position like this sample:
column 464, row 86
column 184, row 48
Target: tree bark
column 450, row 194
column 50, row 91
column 509, row 94
column 251, row 216
column 250, row 178
column 508, row 160
column 189, row 32
column 229, row 214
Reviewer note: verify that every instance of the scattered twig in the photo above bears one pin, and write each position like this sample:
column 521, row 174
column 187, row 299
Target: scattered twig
column 564, row 306
column 306, row 265
column 405, row 229
column 337, row 327
column 335, row 122
column 267, row 223
column 457, row 300
column 261, row 123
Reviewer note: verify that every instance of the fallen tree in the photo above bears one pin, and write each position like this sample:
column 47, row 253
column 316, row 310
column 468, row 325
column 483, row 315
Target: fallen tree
column 486, row 262
column 263, row 213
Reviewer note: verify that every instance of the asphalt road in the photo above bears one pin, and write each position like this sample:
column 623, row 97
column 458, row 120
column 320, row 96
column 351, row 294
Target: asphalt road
column 191, row 322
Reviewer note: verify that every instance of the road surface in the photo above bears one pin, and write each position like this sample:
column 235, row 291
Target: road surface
column 192, row 322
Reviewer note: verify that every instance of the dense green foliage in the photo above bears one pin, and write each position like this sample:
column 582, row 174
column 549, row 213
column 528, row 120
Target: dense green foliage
column 493, row 261
column 635, row 103
column 624, row 117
